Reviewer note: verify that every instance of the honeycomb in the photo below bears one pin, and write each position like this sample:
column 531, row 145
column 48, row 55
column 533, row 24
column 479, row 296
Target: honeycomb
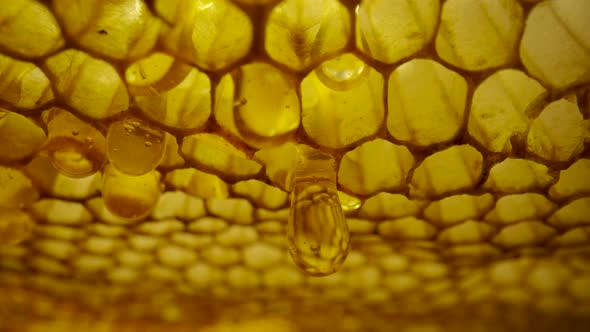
column 294, row 165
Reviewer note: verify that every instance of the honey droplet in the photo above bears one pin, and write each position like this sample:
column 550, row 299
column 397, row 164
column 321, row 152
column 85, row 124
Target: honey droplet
column 127, row 141
column 130, row 196
column 75, row 153
column 317, row 232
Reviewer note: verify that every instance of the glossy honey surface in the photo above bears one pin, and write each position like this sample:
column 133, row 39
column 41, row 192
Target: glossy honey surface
column 294, row 165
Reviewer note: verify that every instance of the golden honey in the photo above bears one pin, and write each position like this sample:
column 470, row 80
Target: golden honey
column 317, row 231
column 196, row 165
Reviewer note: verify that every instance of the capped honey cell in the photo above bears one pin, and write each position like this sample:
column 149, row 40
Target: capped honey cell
column 101, row 27
column 426, row 103
column 212, row 34
column 130, row 196
column 74, row 76
column 24, row 135
column 29, row 29
column 390, row 30
column 23, row 85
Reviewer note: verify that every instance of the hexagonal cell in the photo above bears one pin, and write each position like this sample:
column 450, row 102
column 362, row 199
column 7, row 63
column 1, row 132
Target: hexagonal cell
column 56, row 211
column 213, row 34
column 300, row 33
column 133, row 146
column 518, row 207
column 390, row 30
column 23, row 84
column 279, row 163
column 342, row 102
column 129, row 196
column 513, row 175
column 258, row 103
column 29, row 29
column 17, row 189
column 237, row 235
column 558, row 134
column 388, row 206
column 426, row 103
column 213, row 152
column 74, row 74
column 261, row 194
column 97, row 207
column 170, row 92
column 456, row 168
column 25, row 137
column 375, row 166
column 575, row 237
column 573, row 181
column 526, row 233
column 42, row 172
column 467, row 232
column 360, row 226
column 563, row 23
column 74, row 147
column 197, row 183
column 207, row 225
column 501, row 109
column 157, row 228
column 479, row 34
column 454, row 209
column 235, row 210
column 120, row 29
column 177, row 204
column 221, row 256
column 573, row 214
column 203, row 275
column 407, row 228
column 15, row 225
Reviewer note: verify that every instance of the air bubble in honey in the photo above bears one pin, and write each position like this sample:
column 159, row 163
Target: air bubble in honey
column 75, row 148
column 130, row 196
column 318, row 233
column 135, row 147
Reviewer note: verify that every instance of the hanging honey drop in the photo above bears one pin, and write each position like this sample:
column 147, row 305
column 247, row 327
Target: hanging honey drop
column 135, row 147
column 75, row 148
column 130, row 196
column 317, row 232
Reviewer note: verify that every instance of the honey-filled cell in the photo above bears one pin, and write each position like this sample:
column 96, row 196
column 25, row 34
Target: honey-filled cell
column 130, row 196
column 258, row 103
column 169, row 91
column 75, row 147
column 342, row 101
